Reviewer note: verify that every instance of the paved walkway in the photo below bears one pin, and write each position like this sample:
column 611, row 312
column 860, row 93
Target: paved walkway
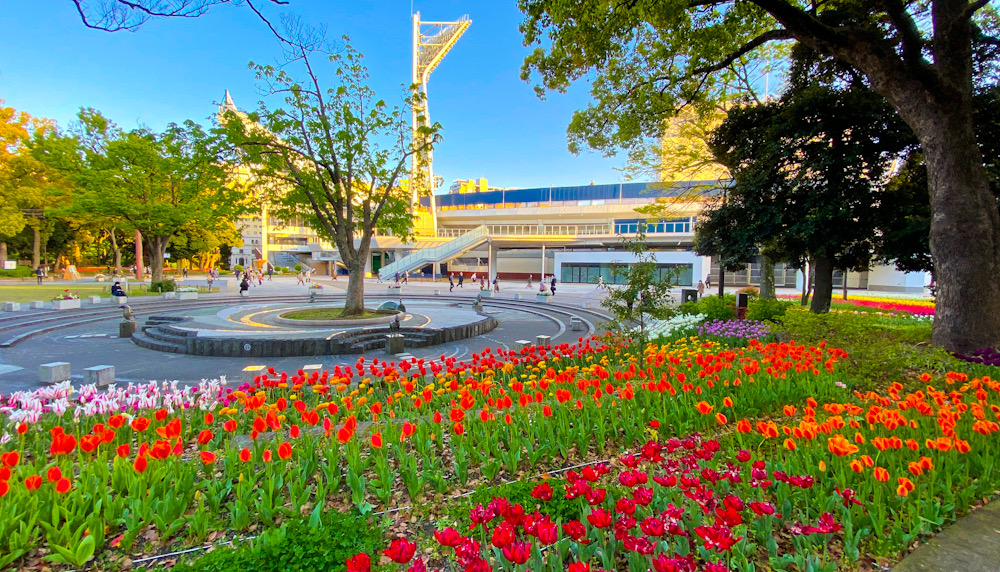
column 971, row 544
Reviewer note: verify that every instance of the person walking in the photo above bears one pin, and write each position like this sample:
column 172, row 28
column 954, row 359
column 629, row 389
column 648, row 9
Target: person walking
column 244, row 286
column 553, row 286
column 184, row 272
column 270, row 272
column 496, row 284
column 396, row 278
column 482, row 283
column 708, row 282
column 38, row 273
column 701, row 288
column 300, row 278
column 461, row 279
column 529, row 281
column 406, row 277
column 473, row 277
column 600, row 283
column 451, row 282
column 260, row 278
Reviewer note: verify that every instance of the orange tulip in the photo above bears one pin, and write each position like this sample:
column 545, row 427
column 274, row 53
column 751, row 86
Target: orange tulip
column 857, row 466
column 207, row 457
column 720, row 419
column 728, row 402
column 703, row 407
column 377, row 440
column 840, row 446
column 743, row 426
column 790, row 444
column 789, row 410
column 881, row 474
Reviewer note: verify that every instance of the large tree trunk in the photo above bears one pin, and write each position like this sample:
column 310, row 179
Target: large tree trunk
column 3, row 254
column 354, row 304
column 823, row 291
column 157, row 248
column 766, row 277
column 965, row 245
column 118, row 252
column 722, row 280
column 36, row 247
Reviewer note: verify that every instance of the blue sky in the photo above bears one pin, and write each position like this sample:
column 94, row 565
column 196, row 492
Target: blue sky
column 170, row 70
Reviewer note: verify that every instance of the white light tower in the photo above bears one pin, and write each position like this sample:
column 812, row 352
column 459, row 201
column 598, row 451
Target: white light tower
column 431, row 41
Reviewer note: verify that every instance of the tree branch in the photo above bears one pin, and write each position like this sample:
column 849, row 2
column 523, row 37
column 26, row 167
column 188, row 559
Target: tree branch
column 769, row 36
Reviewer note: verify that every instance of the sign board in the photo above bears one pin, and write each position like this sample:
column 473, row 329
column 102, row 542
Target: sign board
column 10, row 265
column 166, row 255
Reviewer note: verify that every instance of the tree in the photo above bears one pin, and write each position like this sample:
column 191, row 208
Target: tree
column 652, row 55
column 808, row 171
column 645, row 293
column 335, row 156
column 130, row 15
column 22, row 179
column 157, row 183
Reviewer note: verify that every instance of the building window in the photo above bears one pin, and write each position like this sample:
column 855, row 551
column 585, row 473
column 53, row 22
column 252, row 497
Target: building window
column 681, row 274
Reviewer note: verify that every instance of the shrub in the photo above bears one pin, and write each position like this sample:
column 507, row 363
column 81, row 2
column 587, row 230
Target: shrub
column 769, row 310
column 238, row 268
column 713, row 307
column 162, row 286
column 298, row 268
column 297, row 546
column 752, row 291
column 19, row 272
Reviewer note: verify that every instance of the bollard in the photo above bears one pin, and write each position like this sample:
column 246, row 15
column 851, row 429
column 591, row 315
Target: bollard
column 99, row 375
column 543, row 340
column 252, row 371
column 53, row 372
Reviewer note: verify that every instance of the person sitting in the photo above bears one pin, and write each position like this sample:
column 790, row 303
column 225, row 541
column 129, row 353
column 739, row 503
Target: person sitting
column 116, row 290
column 244, row 285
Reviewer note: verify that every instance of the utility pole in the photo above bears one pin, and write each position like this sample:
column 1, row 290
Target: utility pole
column 139, row 273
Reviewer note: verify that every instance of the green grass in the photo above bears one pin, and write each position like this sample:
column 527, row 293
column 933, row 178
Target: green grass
column 330, row 314
column 30, row 292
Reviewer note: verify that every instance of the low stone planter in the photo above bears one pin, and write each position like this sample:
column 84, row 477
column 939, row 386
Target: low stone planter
column 486, row 293
column 11, row 307
column 65, row 304
column 542, row 298
column 187, row 295
column 94, row 299
column 170, row 295
column 120, row 300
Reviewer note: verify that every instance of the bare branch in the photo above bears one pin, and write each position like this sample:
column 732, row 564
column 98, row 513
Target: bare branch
column 129, row 16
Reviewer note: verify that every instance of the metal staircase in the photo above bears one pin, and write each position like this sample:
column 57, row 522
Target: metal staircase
column 440, row 253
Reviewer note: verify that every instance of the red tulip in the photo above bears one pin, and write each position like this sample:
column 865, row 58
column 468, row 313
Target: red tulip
column 599, row 518
column 207, row 457
column 244, row 455
column 10, row 459
column 230, row 425
column 53, row 474
column 448, row 537
column 140, row 424
column 267, row 455
column 62, row 444
column 294, row 432
column 122, row 450
column 285, row 451
column 359, row 563
column 400, row 551
column 4, row 487
column 204, row 437
column 518, row 552
column 542, row 492
column 33, row 482
column 22, row 428
column 140, row 464
column 62, row 485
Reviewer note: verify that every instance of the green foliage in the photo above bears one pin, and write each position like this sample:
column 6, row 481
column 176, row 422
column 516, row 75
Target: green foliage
column 298, row 268
column 713, row 307
column 298, row 547
column 881, row 349
column 19, row 272
column 645, row 293
column 769, row 310
column 335, row 156
column 238, row 268
column 162, row 184
column 162, row 286
column 519, row 492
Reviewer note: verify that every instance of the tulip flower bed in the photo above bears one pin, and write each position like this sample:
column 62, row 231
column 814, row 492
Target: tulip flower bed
column 915, row 306
column 831, row 477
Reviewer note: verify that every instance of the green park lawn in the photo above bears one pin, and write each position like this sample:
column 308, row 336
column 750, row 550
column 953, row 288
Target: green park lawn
column 29, row 292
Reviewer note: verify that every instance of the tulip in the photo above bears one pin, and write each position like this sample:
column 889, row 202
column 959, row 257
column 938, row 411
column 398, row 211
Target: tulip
column 244, row 455
column 359, row 563
column 517, row 552
column 207, row 457
column 449, row 537
column 63, row 485
column 377, row 440
column 400, row 550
